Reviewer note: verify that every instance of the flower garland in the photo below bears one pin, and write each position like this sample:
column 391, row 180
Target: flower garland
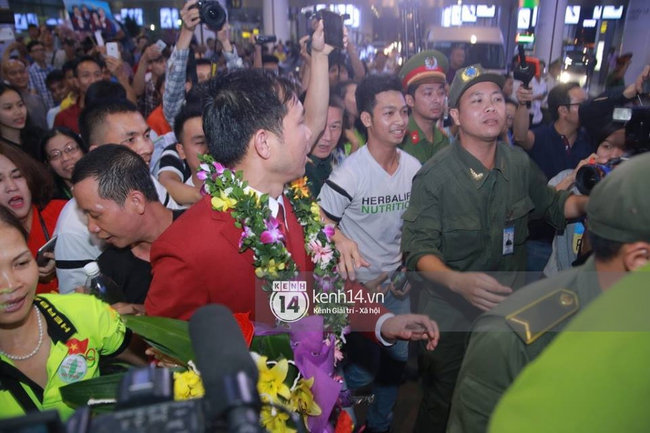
column 261, row 234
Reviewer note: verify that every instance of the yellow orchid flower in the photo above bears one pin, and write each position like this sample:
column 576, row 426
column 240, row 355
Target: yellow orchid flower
column 302, row 399
column 271, row 381
column 187, row 385
column 223, row 202
column 272, row 269
column 275, row 421
column 315, row 211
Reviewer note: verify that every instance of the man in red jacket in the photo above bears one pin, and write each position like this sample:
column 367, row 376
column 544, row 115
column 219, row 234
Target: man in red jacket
column 254, row 123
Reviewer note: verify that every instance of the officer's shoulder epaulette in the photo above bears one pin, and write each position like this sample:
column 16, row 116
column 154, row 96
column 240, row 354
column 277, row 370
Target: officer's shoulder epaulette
column 541, row 315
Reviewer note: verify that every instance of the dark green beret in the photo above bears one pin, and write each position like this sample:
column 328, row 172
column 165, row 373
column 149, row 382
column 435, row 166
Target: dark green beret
column 467, row 77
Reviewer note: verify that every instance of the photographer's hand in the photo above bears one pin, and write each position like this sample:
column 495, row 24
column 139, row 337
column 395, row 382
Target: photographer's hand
column 191, row 19
column 318, row 44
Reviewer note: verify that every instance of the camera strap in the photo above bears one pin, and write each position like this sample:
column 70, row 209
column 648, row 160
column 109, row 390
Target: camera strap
column 43, row 226
column 11, row 381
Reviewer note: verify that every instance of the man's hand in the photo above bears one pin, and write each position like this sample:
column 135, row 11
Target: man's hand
column 524, row 95
column 318, row 44
column 190, row 15
column 376, row 284
column 151, row 53
column 351, row 258
column 116, row 67
column 480, row 290
column 126, row 309
column 414, row 327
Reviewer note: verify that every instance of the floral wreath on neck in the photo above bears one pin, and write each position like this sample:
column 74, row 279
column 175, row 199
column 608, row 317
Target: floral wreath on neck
column 261, row 233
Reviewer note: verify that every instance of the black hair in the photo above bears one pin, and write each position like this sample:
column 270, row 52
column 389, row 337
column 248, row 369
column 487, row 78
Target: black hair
column 268, row 58
column 8, row 218
column 118, row 171
column 558, row 97
column 371, row 86
column 189, row 111
column 204, row 62
column 241, row 103
column 54, row 77
column 608, row 130
column 70, row 65
column 84, row 59
column 604, row 249
column 102, row 90
column 30, row 134
column 92, row 117
column 32, row 44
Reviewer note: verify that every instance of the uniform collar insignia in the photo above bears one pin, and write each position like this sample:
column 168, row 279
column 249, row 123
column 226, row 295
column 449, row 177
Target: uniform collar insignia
column 415, row 137
column 475, row 175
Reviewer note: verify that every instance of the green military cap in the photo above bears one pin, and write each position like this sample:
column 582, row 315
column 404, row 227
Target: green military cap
column 427, row 64
column 467, row 77
column 619, row 207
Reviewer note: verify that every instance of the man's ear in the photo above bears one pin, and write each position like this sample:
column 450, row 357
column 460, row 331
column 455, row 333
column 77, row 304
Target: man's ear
column 636, row 255
column 261, row 142
column 366, row 119
column 92, row 147
column 181, row 150
column 562, row 110
column 410, row 100
column 453, row 112
column 137, row 201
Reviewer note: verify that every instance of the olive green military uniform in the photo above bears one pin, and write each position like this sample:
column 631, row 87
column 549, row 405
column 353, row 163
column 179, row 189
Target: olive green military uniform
column 416, row 143
column 594, row 376
column 508, row 337
column 458, row 212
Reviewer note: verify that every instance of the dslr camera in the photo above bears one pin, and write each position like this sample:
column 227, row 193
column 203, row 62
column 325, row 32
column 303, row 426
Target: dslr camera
column 212, row 14
column 637, row 140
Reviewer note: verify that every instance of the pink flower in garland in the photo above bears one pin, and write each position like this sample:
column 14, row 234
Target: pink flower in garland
column 247, row 233
column 272, row 233
column 220, row 168
column 320, row 254
column 326, row 283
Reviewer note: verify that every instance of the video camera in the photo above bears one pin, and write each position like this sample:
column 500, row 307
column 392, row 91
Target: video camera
column 526, row 69
column 637, row 140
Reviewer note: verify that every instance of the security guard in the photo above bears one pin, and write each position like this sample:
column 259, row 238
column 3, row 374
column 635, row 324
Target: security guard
column 505, row 339
column 468, row 215
column 423, row 80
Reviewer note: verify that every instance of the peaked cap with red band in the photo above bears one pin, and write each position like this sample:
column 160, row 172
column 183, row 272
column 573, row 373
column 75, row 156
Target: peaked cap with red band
column 427, row 64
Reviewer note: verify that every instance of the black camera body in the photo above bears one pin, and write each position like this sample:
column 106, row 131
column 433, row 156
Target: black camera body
column 212, row 14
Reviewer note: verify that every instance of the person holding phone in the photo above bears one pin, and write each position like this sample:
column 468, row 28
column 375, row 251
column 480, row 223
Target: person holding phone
column 26, row 189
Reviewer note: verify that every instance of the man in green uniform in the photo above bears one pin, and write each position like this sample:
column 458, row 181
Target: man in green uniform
column 594, row 382
column 468, row 215
column 508, row 337
column 423, row 80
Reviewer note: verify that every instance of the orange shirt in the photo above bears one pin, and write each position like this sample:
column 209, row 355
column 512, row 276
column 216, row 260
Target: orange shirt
column 157, row 121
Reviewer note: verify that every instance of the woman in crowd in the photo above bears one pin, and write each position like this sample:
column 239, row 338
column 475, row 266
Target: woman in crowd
column 26, row 189
column 50, row 340
column 354, row 131
column 60, row 149
column 568, row 244
column 15, row 126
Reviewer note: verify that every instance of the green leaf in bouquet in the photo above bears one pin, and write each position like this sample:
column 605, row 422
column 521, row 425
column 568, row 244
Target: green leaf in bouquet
column 274, row 347
column 100, row 388
column 170, row 336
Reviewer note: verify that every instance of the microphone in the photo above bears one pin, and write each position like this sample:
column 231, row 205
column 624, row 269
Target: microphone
column 228, row 372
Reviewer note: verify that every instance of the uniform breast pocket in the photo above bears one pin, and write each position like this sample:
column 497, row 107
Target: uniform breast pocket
column 518, row 216
column 461, row 237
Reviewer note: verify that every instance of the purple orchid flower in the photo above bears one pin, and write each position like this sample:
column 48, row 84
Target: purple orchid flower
column 326, row 283
column 219, row 167
column 247, row 233
column 329, row 231
column 272, row 233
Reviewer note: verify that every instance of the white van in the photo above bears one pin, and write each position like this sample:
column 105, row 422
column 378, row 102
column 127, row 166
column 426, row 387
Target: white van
column 483, row 45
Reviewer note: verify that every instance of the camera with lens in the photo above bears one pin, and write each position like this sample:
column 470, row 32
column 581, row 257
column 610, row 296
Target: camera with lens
column 212, row 14
column 589, row 175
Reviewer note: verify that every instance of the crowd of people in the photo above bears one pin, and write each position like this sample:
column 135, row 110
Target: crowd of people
column 439, row 171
